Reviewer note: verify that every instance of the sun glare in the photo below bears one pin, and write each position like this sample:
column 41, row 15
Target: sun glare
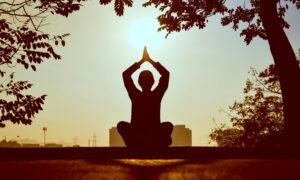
column 143, row 32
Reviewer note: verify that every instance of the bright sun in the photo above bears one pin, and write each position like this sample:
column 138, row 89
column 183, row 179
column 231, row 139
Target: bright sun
column 143, row 32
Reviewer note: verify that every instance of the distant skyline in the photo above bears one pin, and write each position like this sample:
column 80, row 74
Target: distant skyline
column 85, row 93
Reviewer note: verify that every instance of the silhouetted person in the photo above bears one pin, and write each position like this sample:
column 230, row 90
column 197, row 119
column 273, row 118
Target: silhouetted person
column 145, row 129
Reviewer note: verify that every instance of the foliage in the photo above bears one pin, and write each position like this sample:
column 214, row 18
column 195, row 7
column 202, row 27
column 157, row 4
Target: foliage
column 182, row 15
column 257, row 120
column 22, row 42
column 23, row 108
column 119, row 5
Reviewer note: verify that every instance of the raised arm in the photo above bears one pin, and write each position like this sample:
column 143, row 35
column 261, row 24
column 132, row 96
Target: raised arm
column 128, row 82
column 160, row 68
column 164, row 79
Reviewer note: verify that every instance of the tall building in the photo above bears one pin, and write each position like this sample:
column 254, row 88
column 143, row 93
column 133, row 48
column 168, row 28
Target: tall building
column 181, row 136
column 115, row 138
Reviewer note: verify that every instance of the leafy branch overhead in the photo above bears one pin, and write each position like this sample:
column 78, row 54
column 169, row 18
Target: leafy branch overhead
column 21, row 39
column 24, row 46
column 22, row 42
column 180, row 15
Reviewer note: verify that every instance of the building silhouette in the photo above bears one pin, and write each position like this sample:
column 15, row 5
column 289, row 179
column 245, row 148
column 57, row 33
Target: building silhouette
column 31, row 145
column 11, row 143
column 181, row 136
column 53, row 145
column 115, row 138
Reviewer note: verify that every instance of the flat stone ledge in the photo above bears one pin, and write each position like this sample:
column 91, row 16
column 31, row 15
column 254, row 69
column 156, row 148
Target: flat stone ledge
column 74, row 153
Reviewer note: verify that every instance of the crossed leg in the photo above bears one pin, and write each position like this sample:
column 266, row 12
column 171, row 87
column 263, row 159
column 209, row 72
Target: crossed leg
column 152, row 137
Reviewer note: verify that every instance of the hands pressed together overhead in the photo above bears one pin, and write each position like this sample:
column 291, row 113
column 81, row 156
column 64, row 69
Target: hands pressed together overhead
column 146, row 57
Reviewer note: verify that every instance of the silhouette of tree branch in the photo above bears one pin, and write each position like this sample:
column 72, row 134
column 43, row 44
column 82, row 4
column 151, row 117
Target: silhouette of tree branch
column 22, row 42
column 262, row 84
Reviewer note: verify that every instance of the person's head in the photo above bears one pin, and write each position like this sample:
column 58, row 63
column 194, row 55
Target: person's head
column 146, row 80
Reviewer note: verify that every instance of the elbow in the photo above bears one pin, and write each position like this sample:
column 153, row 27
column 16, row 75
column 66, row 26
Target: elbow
column 167, row 74
column 125, row 74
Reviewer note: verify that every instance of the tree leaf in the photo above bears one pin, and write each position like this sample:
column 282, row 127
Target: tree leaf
column 119, row 7
column 33, row 67
column 104, row 2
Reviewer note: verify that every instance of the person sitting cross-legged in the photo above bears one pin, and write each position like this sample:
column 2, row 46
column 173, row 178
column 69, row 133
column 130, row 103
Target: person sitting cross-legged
column 145, row 128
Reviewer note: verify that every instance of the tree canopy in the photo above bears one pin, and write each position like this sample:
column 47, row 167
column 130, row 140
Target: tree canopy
column 257, row 120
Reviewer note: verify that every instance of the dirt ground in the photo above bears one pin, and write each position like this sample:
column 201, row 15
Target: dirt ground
column 149, row 169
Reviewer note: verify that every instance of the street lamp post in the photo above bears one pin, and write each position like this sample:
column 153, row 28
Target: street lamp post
column 45, row 129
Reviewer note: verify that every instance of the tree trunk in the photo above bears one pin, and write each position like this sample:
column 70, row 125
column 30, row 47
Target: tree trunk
column 287, row 69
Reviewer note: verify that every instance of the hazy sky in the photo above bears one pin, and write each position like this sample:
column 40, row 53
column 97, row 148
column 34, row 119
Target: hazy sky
column 85, row 90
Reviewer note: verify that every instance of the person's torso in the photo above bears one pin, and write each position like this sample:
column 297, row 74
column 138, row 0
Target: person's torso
column 146, row 109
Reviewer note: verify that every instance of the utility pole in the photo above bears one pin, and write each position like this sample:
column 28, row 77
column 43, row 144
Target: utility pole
column 94, row 141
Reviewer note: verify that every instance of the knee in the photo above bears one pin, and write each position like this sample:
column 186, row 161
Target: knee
column 167, row 127
column 123, row 127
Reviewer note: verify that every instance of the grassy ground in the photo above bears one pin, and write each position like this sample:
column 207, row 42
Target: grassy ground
column 149, row 169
